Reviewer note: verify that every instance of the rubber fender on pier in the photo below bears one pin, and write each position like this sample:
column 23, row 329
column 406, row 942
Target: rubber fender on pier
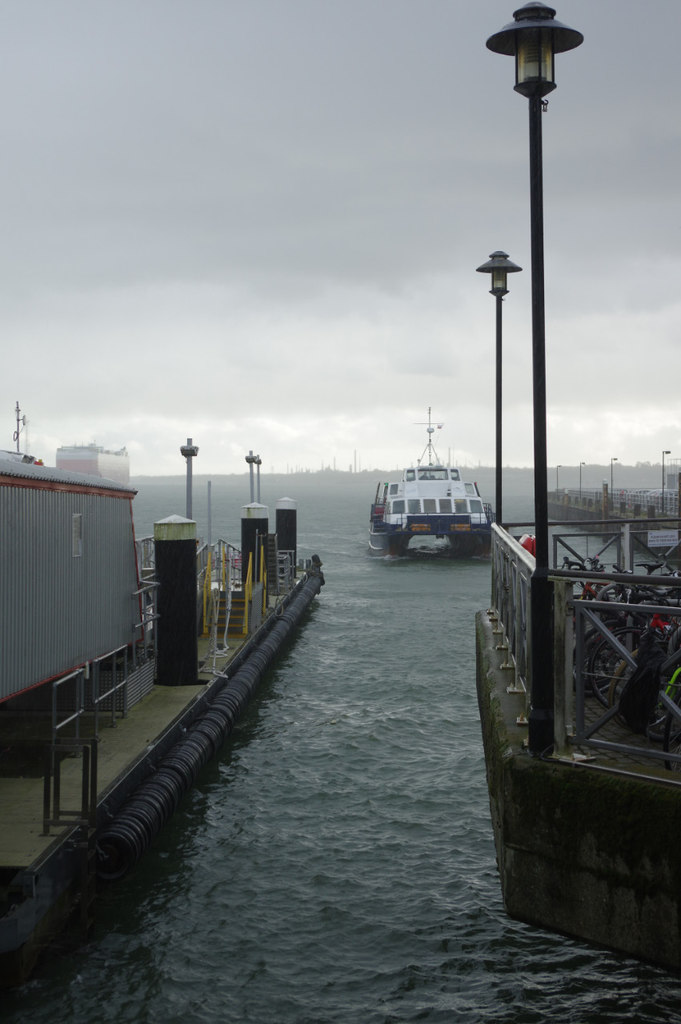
column 122, row 842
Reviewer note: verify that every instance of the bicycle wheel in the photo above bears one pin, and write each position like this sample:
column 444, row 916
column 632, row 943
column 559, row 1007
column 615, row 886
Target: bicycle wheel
column 606, row 666
column 619, row 679
column 672, row 741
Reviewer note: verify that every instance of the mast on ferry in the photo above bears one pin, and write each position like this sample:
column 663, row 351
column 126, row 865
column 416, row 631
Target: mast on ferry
column 430, row 448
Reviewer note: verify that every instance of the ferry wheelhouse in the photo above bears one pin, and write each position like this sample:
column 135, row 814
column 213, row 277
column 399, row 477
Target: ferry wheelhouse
column 430, row 501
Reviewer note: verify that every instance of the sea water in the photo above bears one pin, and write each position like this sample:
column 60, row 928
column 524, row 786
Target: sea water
column 336, row 864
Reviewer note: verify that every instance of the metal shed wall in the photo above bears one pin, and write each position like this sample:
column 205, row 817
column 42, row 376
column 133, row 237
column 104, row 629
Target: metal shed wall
column 62, row 602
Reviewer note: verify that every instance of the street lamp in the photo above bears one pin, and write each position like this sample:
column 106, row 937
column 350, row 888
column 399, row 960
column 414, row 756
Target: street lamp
column 254, row 460
column 664, row 454
column 533, row 38
column 612, row 460
column 663, row 480
column 580, row 482
column 499, row 266
column 190, row 451
column 557, row 468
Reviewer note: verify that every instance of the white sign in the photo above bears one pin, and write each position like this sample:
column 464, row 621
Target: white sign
column 663, row 538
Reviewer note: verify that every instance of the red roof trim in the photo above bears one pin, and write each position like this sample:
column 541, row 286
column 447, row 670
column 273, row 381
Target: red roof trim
column 59, row 485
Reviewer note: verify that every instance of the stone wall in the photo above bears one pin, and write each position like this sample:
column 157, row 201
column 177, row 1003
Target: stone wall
column 580, row 850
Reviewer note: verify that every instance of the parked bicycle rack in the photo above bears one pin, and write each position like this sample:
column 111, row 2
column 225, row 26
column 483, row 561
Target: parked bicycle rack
column 580, row 721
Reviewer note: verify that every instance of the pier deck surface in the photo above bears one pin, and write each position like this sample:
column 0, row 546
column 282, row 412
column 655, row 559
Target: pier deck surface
column 22, row 841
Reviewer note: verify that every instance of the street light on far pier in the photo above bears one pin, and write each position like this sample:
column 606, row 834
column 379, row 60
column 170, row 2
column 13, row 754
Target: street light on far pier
column 499, row 266
column 580, row 482
column 665, row 452
column 254, row 460
column 533, row 38
column 612, row 460
column 557, row 468
column 190, row 451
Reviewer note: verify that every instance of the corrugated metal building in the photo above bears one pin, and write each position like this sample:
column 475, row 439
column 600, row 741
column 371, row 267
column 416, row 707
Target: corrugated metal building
column 68, row 573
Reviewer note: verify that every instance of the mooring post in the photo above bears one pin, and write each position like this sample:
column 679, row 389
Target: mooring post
column 254, row 524
column 286, row 527
column 177, row 635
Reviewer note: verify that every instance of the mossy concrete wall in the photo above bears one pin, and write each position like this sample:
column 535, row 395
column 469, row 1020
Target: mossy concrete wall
column 581, row 851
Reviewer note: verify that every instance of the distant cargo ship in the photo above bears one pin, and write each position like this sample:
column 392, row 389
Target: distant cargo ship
column 95, row 461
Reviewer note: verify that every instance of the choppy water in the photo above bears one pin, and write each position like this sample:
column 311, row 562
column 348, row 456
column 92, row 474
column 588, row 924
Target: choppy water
column 337, row 863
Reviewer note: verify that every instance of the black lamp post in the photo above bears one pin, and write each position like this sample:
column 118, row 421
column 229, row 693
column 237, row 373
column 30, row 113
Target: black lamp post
column 499, row 266
column 612, row 483
column 533, row 38
column 663, row 480
column 664, row 454
column 557, row 468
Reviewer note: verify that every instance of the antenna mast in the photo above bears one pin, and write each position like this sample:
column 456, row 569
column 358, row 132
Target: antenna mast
column 430, row 447
column 21, row 423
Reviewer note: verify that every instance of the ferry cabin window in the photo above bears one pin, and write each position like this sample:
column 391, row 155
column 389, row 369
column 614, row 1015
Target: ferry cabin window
column 454, row 473
column 445, row 504
column 429, row 505
column 470, row 489
column 393, row 488
column 460, row 505
column 411, row 475
column 432, row 473
column 398, row 506
column 476, row 505
column 414, row 506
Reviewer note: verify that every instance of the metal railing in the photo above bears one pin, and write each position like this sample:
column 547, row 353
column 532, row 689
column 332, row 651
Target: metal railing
column 286, row 571
column 635, row 602
column 145, row 618
column 512, row 567
column 146, row 554
column 111, row 668
column 612, row 631
column 54, row 813
column 634, row 502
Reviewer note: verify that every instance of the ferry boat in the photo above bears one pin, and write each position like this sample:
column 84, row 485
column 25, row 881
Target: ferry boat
column 431, row 501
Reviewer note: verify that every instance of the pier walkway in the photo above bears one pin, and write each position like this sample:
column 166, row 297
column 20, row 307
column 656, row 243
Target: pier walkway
column 586, row 833
column 122, row 741
column 620, row 503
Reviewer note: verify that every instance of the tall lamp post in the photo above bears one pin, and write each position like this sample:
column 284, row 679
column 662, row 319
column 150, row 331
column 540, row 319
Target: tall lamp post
column 663, row 478
column 557, row 468
column 254, row 460
column 612, row 485
column 533, row 38
column 190, row 451
column 499, row 266
column 580, row 482
column 664, row 454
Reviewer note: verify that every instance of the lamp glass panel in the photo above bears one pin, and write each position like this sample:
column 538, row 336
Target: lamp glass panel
column 534, row 56
column 499, row 281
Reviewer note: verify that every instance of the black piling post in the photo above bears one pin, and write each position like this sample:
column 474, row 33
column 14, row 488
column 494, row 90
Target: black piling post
column 287, row 530
column 254, row 527
column 177, row 634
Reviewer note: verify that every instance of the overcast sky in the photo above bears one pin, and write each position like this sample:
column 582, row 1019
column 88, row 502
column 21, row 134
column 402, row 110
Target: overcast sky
column 256, row 223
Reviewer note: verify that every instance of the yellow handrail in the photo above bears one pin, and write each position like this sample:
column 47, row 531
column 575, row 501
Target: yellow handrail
column 206, row 595
column 248, row 590
column 263, row 575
